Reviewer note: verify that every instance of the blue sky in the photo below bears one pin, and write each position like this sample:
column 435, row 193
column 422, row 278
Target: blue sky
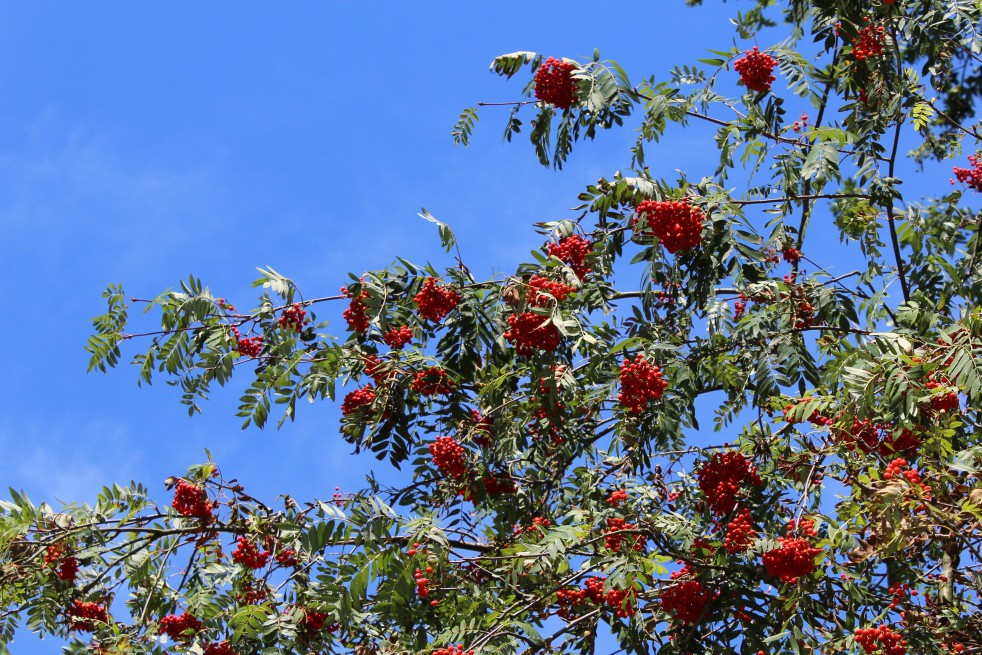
column 142, row 142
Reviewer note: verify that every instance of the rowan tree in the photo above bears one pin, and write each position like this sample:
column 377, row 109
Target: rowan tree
column 564, row 495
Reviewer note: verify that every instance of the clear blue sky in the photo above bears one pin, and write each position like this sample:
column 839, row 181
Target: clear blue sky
column 140, row 142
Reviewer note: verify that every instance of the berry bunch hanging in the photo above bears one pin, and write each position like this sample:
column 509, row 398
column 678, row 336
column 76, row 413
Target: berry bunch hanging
column 181, row 628
column 573, row 250
column 739, row 532
column 192, row 501
column 250, row 346
column 358, row 399
column 881, row 641
column 543, row 292
column 641, row 383
column 452, row 650
column 65, row 566
column 432, row 381
column 219, row 648
column 971, row 177
column 357, row 313
column 85, row 617
column 398, row 337
column 755, row 69
column 685, row 601
column 614, row 536
column 795, row 558
column 482, row 429
column 435, row 301
column 869, row 437
column 676, row 223
column 554, row 83
column 529, row 332
column 617, row 497
column 720, row 479
column 869, row 41
column 248, row 554
column 293, row 318
column 449, row 457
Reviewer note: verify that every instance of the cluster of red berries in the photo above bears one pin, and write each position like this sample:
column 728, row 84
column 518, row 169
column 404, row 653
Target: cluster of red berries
column 881, row 640
column 423, row 583
column 543, row 292
column 449, row 457
column 529, row 332
column 498, row 485
column 880, row 438
column 803, row 310
column 435, row 301
column 739, row 307
column 287, row 557
column 868, row 42
column 899, row 468
column 900, row 592
column 398, row 337
column 614, row 536
column 942, row 402
column 755, row 69
column 180, row 628
column 219, row 648
column 676, row 223
column 972, row 177
column 617, row 497
column 192, row 500
column 314, row 622
column 66, row 566
column 432, row 381
column 293, row 317
column 573, row 251
column 376, row 369
column 686, row 600
column 248, row 554
column 640, row 384
column 482, row 429
column 357, row 399
column 84, row 616
column 815, row 418
column 356, row 315
column 791, row 255
column 800, row 124
column 720, row 479
column 537, row 529
column 554, row 83
column 739, row 532
column 250, row 346
column 251, row 595
column 795, row 558
column 452, row 650
column 571, row 601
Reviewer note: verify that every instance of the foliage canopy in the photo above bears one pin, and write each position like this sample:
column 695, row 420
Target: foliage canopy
column 564, row 495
